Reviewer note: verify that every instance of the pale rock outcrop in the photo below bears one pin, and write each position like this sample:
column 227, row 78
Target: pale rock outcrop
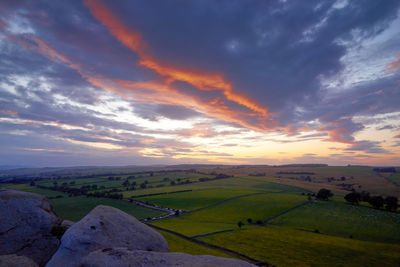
column 13, row 260
column 25, row 225
column 123, row 257
column 105, row 227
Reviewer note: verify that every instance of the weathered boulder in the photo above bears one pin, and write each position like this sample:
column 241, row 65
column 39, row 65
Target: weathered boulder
column 123, row 257
column 105, row 227
column 25, row 225
column 13, row 260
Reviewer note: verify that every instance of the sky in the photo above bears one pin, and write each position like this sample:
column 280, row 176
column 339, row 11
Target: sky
column 147, row 82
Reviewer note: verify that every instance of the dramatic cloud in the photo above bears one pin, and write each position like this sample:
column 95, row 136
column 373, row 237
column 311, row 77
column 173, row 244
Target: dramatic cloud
column 143, row 82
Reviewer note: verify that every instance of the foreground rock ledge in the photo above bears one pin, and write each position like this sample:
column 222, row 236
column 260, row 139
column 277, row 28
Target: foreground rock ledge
column 105, row 227
column 123, row 257
column 25, row 226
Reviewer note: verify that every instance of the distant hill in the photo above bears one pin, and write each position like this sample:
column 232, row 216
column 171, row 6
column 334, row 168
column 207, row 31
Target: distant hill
column 11, row 167
column 303, row 165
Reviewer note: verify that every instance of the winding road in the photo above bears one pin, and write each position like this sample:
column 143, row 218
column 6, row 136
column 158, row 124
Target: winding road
column 171, row 212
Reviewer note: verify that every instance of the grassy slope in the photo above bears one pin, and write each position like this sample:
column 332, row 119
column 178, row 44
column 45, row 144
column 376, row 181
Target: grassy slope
column 288, row 247
column 341, row 219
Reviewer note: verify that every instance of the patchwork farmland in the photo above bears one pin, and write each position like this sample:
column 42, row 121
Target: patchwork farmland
column 256, row 213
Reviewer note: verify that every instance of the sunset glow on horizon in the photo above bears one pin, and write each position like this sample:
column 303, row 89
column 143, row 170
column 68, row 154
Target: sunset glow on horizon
column 228, row 82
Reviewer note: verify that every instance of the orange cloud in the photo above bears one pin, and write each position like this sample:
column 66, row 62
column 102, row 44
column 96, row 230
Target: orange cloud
column 129, row 38
column 338, row 132
column 201, row 80
column 340, row 135
column 159, row 92
column 9, row 112
column 38, row 45
column 395, row 65
column 147, row 141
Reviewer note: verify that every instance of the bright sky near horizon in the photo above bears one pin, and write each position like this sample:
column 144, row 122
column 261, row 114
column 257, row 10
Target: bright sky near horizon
column 199, row 81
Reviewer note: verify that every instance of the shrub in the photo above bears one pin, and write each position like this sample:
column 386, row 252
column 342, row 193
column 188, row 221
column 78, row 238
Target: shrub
column 324, row 194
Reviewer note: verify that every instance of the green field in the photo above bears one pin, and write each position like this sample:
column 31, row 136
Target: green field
column 289, row 247
column 78, row 182
column 178, row 244
column 31, row 189
column 258, row 207
column 75, row 208
column 395, row 178
column 195, row 199
column 235, row 183
column 342, row 219
column 154, row 181
column 192, row 227
column 226, row 215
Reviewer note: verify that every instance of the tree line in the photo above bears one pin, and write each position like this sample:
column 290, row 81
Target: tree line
column 389, row 203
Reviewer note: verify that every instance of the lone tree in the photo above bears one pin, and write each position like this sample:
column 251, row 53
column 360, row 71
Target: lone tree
column 391, row 203
column 376, row 201
column 324, row 194
column 249, row 220
column 240, row 224
column 353, row 197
